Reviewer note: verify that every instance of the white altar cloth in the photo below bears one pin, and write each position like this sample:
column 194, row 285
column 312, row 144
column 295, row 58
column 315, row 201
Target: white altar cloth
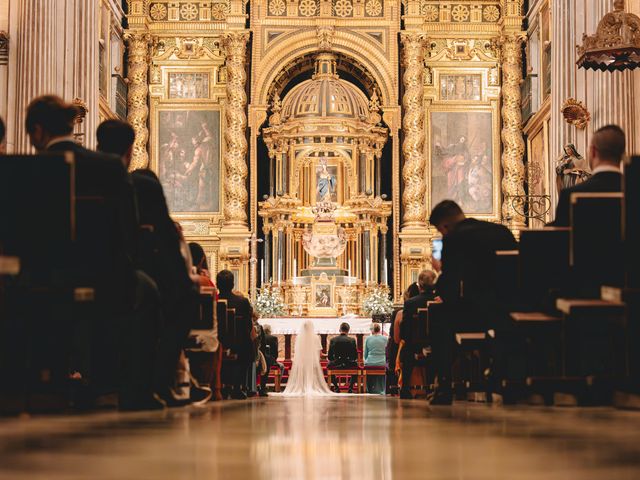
column 329, row 325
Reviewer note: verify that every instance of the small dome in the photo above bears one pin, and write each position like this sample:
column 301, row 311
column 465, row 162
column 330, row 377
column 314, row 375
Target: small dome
column 325, row 96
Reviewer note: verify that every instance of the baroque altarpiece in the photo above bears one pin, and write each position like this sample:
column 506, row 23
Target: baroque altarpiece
column 303, row 142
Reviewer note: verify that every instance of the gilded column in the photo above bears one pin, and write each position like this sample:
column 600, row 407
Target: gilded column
column 413, row 172
column 138, row 96
column 236, row 195
column 512, row 139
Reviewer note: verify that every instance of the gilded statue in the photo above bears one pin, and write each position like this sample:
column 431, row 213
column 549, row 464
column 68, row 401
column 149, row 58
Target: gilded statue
column 326, row 185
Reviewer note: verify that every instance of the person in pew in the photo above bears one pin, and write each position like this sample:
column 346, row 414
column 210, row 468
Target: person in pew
column 271, row 349
column 466, row 286
column 243, row 343
column 375, row 356
column 343, row 353
column 605, row 156
column 393, row 345
column 159, row 256
column 3, row 139
column 409, row 349
column 113, row 350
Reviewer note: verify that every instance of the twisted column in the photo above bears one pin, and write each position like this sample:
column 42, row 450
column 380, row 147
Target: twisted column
column 415, row 186
column 512, row 140
column 236, row 195
column 137, row 96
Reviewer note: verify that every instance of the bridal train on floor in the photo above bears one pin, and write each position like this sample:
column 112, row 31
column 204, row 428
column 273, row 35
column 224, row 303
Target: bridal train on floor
column 306, row 378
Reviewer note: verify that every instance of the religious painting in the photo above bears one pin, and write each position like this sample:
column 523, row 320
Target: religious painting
column 326, row 183
column 184, row 86
column 462, row 167
column 189, row 159
column 323, row 296
column 461, row 87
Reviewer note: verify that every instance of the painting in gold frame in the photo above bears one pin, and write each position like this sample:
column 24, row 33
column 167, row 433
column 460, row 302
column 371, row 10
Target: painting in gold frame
column 188, row 158
column 188, row 85
column 463, row 160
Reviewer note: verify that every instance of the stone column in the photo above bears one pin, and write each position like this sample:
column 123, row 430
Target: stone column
column 413, row 171
column 512, row 139
column 138, row 95
column 236, row 170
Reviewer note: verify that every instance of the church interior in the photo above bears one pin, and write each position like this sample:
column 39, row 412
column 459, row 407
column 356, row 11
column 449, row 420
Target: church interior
column 319, row 239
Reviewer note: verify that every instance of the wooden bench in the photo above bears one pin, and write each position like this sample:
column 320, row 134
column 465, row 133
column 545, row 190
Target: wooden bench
column 372, row 371
column 341, row 373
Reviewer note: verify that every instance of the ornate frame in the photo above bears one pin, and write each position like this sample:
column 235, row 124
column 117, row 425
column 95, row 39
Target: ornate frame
column 323, row 280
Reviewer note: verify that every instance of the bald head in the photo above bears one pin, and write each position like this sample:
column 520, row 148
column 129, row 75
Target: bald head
column 607, row 146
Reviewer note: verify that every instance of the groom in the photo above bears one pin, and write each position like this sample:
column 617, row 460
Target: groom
column 343, row 353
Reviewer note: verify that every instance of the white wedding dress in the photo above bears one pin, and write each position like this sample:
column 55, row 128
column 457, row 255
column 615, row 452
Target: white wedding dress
column 306, row 378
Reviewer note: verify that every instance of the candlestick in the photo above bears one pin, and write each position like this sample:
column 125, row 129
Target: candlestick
column 349, row 267
column 262, row 273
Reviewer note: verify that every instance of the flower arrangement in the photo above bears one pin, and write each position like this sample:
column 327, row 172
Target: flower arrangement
column 377, row 302
column 269, row 303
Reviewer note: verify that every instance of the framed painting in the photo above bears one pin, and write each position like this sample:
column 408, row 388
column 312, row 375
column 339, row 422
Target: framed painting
column 323, row 292
column 464, row 166
column 188, row 155
column 188, row 85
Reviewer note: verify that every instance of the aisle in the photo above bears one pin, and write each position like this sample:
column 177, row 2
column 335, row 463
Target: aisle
column 344, row 438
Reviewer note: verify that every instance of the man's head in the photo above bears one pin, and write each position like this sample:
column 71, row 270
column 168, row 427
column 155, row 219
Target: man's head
column 607, row 147
column 225, row 281
column 49, row 117
column 267, row 329
column 426, row 280
column 445, row 216
column 116, row 137
column 3, row 143
column 344, row 328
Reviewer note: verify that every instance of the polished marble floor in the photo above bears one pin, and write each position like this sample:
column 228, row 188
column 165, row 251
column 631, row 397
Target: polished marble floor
column 338, row 438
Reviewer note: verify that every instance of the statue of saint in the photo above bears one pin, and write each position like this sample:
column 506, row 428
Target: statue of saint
column 571, row 169
column 326, row 185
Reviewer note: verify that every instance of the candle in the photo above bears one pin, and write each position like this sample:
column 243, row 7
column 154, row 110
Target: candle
column 349, row 267
column 366, row 270
column 295, row 267
column 262, row 273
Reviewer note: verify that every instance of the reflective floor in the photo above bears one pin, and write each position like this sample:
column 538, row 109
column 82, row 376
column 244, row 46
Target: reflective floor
column 337, row 438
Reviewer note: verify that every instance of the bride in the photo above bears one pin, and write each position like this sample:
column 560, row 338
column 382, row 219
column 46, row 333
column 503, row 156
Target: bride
column 306, row 378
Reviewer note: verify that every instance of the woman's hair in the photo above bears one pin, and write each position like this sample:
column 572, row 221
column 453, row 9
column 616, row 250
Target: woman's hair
column 53, row 114
column 411, row 291
column 198, row 256
column 375, row 328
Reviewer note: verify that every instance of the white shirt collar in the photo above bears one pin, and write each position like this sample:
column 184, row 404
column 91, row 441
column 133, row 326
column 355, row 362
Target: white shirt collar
column 68, row 138
column 606, row 168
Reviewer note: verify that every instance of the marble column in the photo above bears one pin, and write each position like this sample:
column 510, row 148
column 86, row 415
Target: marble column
column 138, row 95
column 413, row 171
column 236, row 170
column 512, row 137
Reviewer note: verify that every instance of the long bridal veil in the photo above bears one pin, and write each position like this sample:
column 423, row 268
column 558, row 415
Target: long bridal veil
column 306, row 378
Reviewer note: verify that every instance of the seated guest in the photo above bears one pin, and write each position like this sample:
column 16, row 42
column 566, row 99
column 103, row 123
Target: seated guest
column 159, row 256
column 3, row 139
column 605, row 155
column 409, row 348
column 375, row 356
column 270, row 356
column 393, row 373
column 343, row 353
column 236, row 372
column 466, row 285
column 126, row 299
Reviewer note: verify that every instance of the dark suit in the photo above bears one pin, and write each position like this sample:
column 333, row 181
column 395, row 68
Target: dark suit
column 343, row 353
column 241, row 345
column 602, row 182
column 120, row 327
column 467, row 287
column 270, row 352
column 161, row 259
column 411, row 348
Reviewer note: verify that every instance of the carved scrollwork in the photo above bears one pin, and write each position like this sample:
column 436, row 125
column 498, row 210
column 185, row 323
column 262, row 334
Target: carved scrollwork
column 236, row 195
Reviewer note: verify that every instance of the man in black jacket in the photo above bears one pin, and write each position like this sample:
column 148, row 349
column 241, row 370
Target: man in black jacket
column 242, row 344
column 605, row 155
column 410, row 347
column 270, row 355
column 467, row 285
column 343, row 353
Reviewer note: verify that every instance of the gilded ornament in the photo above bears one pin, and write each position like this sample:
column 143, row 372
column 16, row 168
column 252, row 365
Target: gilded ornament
column 325, row 37
column 373, row 8
column 158, row 11
column 308, row 8
column 575, row 113
column 430, row 13
column 343, row 8
column 189, row 11
column 219, row 11
column 491, row 13
column 460, row 13
column 277, row 7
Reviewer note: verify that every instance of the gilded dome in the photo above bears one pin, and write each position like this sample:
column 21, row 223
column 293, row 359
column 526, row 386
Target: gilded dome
column 325, row 96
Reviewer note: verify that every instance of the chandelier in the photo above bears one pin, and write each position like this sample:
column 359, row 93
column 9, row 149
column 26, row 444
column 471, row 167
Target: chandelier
column 616, row 43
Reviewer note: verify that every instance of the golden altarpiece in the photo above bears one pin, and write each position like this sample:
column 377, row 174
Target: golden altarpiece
column 295, row 122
